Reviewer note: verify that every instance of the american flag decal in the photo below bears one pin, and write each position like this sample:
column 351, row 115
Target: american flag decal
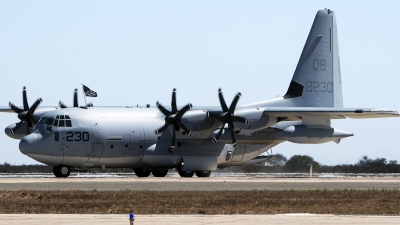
column 88, row 92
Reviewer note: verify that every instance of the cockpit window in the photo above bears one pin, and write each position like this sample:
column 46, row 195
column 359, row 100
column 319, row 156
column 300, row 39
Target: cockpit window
column 62, row 121
column 42, row 120
column 49, row 121
column 68, row 123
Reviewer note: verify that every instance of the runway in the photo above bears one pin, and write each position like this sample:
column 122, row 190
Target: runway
column 220, row 181
column 282, row 219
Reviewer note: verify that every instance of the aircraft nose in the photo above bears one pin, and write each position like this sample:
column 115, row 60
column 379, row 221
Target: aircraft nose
column 30, row 143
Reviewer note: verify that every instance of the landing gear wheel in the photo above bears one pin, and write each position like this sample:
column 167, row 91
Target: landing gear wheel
column 159, row 173
column 61, row 171
column 142, row 172
column 203, row 173
column 186, row 173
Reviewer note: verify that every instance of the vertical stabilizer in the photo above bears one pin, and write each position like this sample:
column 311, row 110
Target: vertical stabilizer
column 317, row 81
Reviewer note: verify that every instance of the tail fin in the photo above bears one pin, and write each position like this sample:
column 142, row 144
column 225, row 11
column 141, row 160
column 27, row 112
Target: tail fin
column 317, row 81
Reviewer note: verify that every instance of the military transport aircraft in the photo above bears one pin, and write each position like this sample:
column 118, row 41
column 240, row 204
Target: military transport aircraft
column 195, row 139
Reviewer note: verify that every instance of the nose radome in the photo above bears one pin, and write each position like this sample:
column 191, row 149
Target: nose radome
column 30, row 143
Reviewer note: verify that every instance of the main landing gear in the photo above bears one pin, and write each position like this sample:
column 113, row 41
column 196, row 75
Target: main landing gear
column 140, row 172
column 146, row 173
column 61, row 171
column 201, row 173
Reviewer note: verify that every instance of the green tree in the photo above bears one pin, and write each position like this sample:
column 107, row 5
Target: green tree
column 378, row 165
column 301, row 163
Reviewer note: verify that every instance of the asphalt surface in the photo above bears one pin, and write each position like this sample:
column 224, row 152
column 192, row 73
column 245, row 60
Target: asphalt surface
column 283, row 219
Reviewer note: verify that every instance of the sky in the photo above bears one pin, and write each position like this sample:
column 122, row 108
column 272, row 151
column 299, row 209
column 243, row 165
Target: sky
column 136, row 52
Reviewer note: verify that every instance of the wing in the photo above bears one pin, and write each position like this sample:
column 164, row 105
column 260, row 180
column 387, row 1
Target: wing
column 6, row 109
column 295, row 113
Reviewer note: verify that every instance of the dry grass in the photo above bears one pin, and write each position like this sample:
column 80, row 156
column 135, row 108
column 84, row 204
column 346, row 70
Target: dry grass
column 202, row 202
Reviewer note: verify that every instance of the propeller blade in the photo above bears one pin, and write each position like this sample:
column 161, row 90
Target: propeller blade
column 216, row 138
column 234, row 103
column 163, row 109
column 173, row 102
column 27, row 129
column 16, row 128
column 15, row 108
column 183, row 111
column 222, row 101
column 33, row 120
column 173, row 138
column 34, row 106
column 239, row 119
column 25, row 99
column 62, row 105
column 232, row 134
column 76, row 98
column 162, row 129
column 184, row 127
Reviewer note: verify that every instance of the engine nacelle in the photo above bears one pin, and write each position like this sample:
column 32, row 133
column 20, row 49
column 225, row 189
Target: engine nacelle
column 18, row 134
column 199, row 123
column 256, row 119
column 301, row 134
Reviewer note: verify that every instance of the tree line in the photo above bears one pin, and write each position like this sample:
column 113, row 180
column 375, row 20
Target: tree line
column 297, row 164
column 302, row 164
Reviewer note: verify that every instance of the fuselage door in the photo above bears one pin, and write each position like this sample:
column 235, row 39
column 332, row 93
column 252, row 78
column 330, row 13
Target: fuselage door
column 97, row 150
column 238, row 153
column 137, row 143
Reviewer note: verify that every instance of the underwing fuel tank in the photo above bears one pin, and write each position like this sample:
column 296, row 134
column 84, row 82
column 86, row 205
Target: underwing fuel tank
column 301, row 134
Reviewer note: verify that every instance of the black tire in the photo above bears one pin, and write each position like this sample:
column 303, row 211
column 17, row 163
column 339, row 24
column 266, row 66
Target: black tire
column 61, row 171
column 186, row 173
column 159, row 173
column 55, row 171
column 142, row 172
column 203, row 173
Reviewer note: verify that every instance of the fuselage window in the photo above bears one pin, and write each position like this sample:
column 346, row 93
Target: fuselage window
column 55, row 124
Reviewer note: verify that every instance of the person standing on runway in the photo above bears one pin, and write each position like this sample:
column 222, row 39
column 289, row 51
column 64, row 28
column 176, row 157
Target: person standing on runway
column 131, row 217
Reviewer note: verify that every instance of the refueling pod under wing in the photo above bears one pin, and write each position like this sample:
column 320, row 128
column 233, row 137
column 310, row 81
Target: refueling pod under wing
column 301, row 134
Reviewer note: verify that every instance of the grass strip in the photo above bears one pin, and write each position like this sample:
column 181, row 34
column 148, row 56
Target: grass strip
column 345, row 201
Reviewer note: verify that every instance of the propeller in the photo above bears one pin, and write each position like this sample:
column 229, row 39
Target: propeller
column 227, row 117
column 25, row 114
column 173, row 118
column 63, row 106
